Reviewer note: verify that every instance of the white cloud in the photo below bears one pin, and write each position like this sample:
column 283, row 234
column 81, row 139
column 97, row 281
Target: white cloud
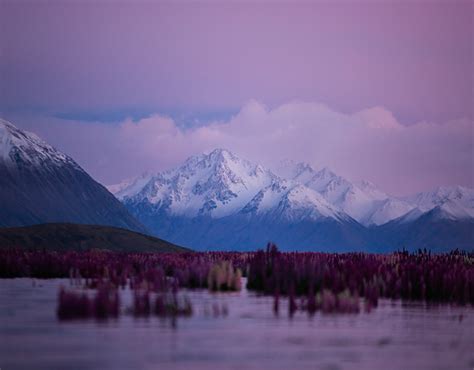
column 369, row 144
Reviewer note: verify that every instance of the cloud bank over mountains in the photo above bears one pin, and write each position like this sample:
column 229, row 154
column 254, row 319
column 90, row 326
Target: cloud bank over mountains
column 75, row 85
column 370, row 144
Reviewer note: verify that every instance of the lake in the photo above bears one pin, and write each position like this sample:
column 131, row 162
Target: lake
column 230, row 331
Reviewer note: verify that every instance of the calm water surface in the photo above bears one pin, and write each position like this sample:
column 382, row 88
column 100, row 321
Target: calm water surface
column 394, row 336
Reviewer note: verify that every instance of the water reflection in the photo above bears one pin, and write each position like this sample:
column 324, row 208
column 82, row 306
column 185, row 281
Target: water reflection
column 230, row 331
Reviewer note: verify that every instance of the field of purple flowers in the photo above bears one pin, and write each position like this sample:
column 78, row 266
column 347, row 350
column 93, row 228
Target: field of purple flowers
column 326, row 282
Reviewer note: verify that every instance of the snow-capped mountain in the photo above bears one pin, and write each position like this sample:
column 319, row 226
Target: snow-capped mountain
column 218, row 192
column 39, row 184
column 220, row 201
column 220, row 184
column 293, row 202
column 216, row 185
column 363, row 202
column 130, row 187
column 456, row 202
column 23, row 148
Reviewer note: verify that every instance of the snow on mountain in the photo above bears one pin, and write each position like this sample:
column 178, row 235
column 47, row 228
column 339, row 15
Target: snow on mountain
column 363, row 202
column 293, row 201
column 130, row 187
column 215, row 184
column 388, row 209
column 267, row 198
column 437, row 197
column 411, row 216
column 453, row 210
column 220, row 184
column 303, row 203
column 39, row 184
column 289, row 169
column 218, row 201
column 26, row 148
column 371, row 190
column 454, row 202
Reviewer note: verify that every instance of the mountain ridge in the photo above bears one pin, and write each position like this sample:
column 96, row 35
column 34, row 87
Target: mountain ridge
column 40, row 184
column 218, row 200
column 214, row 195
column 362, row 201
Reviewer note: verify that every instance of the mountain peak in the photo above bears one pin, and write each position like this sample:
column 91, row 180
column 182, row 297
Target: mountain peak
column 20, row 148
column 454, row 210
column 222, row 158
column 217, row 158
column 131, row 186
column 304, row 203
column 450, row 191
column 426, row 201
column 289, row 169
column 365, row 184
column 220, row 183
column 326, row 172
column 214, row 184
column 40, row 184
column 221, row 153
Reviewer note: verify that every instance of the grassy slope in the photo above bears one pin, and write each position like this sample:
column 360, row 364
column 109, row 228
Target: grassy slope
column 63, row 237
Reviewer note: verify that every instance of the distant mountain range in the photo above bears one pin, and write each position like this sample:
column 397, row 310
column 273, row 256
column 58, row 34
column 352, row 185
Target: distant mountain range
column 39, row 184
column 220, row 201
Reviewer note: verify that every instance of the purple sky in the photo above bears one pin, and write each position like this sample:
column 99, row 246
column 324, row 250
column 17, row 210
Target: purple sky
column 97, row 62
